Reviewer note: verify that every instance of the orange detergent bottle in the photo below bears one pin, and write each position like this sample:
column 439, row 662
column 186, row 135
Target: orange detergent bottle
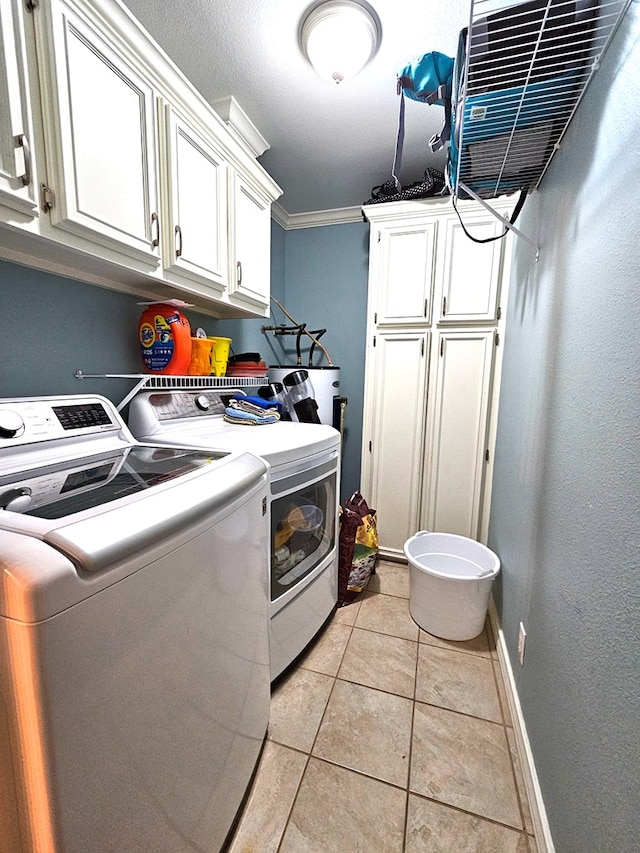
column 164, row 335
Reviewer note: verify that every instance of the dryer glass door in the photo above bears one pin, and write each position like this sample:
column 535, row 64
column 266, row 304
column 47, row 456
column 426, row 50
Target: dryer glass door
column 303, row 525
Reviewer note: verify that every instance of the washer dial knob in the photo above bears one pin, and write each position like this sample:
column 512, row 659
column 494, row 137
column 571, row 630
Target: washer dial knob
column 11, row 424
column 15, row 500
column 202, row 402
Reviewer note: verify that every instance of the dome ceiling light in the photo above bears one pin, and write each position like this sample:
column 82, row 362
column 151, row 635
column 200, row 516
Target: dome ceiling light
column 339, row 37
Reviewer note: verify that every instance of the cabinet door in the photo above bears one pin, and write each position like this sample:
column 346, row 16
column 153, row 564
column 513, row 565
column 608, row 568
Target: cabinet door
column 250, row 245
column 403, row 258
column 17, row 184
column 463, row 363
column 100, row 136
column 394, row 434
column 469, row 272
column 195, row 214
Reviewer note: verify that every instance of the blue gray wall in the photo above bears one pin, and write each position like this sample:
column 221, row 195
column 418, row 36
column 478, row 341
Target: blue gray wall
column 53, row 326
column 565, row 516
column 320, row 276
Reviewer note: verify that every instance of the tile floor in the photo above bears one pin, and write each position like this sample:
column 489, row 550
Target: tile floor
column 383, row 738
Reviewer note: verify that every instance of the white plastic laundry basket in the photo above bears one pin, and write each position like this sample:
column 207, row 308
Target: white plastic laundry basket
column 450, row 580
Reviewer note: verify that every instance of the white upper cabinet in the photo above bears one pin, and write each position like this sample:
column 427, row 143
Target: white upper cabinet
column 195, row 210
column 100, row 136
column 17, row 180
column 470, row 272
column 141, row 185
column 249, row 245
column 405, row 258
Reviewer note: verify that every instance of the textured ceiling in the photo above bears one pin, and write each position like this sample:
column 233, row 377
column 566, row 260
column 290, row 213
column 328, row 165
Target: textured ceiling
column 329, row 144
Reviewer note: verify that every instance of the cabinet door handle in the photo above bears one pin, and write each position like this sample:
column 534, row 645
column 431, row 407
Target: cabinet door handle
column 178, row 233
column 441, row 346
column 426, row 307
column 23, row 142
column 239, row 273
column 155, row 226
column 444, row 305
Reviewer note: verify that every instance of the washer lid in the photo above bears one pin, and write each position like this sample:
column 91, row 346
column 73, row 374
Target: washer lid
column 106, row 508
column 49, row 562
column 184, row 418
column 66, row 488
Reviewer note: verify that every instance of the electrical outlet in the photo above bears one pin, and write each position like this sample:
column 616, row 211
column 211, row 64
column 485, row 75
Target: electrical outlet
column 522, row 638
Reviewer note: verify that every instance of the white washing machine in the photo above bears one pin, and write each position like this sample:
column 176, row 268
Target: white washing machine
column 134, row 634
column 304, row 477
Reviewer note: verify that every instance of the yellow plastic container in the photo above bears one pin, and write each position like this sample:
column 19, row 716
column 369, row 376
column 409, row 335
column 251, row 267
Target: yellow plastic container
column 201, row 350
column 219, row 355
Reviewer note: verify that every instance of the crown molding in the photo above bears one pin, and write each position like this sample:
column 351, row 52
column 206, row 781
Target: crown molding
column 315, row 218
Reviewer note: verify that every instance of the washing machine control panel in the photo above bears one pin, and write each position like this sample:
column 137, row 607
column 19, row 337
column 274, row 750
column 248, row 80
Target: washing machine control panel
column 188, row 404
column 27, row 421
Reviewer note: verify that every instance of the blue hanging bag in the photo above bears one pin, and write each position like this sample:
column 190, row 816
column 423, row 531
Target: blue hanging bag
column 426, row 79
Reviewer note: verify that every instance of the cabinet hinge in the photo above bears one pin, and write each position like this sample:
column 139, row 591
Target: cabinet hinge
column 486, row 455
column 31, row 5
column 499, row 313
column 497, row 339
column 47, row 198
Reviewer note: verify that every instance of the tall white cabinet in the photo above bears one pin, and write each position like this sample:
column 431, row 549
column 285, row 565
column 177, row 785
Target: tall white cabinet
column 435, row 317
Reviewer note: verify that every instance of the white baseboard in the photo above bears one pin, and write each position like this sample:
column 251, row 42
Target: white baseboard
column 541, row 828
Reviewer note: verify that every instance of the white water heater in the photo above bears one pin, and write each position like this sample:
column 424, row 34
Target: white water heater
column 326, row 387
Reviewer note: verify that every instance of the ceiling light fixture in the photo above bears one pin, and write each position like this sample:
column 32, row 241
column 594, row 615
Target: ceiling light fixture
column 339, row 37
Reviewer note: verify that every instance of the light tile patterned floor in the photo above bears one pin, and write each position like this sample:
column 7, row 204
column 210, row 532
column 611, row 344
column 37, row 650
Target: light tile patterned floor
column 384, row 739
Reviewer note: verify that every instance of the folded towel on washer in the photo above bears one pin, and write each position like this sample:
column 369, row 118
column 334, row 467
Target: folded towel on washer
column 238, row 416
column 243, row 404
column 260, row 402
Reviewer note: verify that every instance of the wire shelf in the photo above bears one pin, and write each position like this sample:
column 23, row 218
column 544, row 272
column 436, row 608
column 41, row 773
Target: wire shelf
column 525, row 68
column 183, row 383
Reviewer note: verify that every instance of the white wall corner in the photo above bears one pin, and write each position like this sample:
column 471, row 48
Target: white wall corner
column 533, row 791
